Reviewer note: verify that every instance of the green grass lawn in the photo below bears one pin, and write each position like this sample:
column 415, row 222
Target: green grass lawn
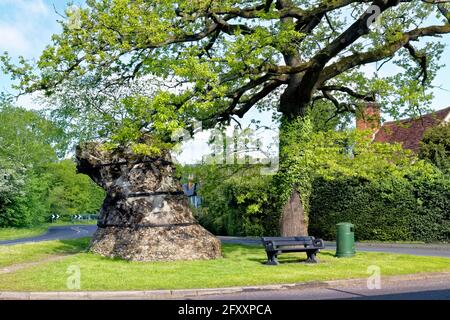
column 30, row 252
column 240, row 265
column 18, row 233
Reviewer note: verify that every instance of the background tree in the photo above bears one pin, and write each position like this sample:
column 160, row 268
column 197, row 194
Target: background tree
column 72, row 193
column 12, row 181
column 27, row 139
column 216, row 60
column 33, row 183
column 25, row 148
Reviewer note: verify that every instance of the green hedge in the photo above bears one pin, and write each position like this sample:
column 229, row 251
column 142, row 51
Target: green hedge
column 390, row 209
column 387, row 209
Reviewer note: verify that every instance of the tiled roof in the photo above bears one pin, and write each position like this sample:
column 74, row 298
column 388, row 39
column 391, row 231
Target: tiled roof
column 409, row 132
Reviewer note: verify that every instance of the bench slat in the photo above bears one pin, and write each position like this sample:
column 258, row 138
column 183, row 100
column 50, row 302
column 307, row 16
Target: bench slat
column 297, row 250
column 291, row 243
column 304, row 238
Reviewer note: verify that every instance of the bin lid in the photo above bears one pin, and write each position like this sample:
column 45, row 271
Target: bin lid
column 345, row 224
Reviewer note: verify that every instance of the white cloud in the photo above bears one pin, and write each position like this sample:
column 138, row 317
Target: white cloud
column 20, row 21
column 193, row 150
column 36, row 7
column 30, row 101
column 13, row 40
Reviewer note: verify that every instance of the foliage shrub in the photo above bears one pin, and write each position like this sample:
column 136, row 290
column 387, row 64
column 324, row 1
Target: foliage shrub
column 435, row 147
column 386, row 209
column 56, row 189
column 235, row 200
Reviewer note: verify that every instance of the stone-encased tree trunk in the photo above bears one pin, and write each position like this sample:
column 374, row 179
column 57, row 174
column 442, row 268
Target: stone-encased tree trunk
column 145, row 216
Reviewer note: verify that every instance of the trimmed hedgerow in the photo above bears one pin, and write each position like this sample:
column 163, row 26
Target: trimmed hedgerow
column 388, row 209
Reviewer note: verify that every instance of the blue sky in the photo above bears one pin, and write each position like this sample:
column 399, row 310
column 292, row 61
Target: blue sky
column 26, row 27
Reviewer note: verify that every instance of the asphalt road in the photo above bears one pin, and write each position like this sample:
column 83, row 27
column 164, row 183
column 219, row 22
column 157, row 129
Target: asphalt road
column 419, row 289
column 57, row 233
column 80, row 231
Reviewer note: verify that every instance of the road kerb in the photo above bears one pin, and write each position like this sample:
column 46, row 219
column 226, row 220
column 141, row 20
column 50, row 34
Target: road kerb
column 187, row 293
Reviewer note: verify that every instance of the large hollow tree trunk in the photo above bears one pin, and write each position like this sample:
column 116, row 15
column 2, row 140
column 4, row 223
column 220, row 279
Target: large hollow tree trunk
column 145, row 215
column 293, row 219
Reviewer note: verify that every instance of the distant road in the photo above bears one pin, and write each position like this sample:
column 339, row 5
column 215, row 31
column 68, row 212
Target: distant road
column 81, row 231
column 57, row 233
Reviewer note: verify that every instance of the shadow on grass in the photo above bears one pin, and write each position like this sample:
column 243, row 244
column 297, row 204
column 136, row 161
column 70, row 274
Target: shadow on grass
column 293, row 258
column 257, row 254
column 328, row 254
column 72, row 246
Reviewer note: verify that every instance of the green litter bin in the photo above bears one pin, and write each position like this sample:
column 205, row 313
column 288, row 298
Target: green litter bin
column 345, row 240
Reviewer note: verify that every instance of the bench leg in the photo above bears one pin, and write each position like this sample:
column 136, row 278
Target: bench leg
column 272, row 259
column 311, row 257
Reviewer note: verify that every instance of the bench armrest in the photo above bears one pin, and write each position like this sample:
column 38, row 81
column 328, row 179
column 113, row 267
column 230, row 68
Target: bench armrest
column 319, row 243
column 268, row 244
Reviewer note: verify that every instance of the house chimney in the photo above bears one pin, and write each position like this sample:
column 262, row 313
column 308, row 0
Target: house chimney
column 369, row 117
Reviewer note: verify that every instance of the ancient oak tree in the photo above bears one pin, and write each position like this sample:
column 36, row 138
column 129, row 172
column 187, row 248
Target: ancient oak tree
column 214, row 61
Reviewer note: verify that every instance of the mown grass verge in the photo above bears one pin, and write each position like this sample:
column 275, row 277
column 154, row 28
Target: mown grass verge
column 240, row 266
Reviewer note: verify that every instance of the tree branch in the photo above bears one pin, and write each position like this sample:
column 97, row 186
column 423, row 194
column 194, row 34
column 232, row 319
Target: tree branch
column 445, row 12
column 366, row 97
column 265, row 91
column 379, row 54
column 240, row 108
column 348, row 37
column 421, row 60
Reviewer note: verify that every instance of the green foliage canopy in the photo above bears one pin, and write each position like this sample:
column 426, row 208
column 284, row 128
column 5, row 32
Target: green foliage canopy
column 215, row 60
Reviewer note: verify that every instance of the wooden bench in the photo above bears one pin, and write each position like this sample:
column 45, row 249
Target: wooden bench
column 277, row 245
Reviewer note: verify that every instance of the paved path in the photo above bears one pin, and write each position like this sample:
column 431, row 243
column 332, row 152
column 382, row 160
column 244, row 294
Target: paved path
column 80, row 231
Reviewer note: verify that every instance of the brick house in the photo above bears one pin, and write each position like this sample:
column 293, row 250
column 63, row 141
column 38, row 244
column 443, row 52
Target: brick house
column 408, row 132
